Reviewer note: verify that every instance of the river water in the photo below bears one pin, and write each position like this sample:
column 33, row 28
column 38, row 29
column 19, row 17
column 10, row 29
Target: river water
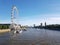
column 31, row 37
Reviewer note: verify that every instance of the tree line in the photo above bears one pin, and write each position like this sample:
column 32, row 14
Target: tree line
column 51, row 27
column 4, row 26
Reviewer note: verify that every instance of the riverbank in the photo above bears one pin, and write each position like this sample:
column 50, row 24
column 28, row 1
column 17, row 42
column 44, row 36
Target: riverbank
column 50, row 27
column 4, row 30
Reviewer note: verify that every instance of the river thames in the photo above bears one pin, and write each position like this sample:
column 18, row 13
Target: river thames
column 31, row 37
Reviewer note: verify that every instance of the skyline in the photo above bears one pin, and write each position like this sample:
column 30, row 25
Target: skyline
column 31, row 11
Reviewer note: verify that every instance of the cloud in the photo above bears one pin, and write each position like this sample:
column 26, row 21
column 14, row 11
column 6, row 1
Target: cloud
column 53, row 20
column 42, row 18
column 37, row 19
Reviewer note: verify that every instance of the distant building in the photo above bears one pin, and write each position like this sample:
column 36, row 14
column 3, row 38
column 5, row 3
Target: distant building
column 41, row 24
column 45, row 23
column 34, row 25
